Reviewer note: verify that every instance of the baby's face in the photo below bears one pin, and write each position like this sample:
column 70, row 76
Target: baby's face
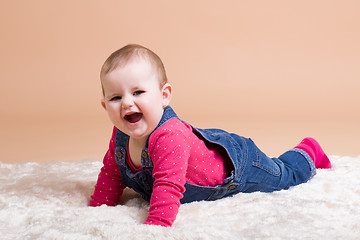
column 134, row 99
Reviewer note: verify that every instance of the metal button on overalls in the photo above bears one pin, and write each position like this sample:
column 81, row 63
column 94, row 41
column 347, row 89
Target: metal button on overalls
column 231, row 187
column 144, row 154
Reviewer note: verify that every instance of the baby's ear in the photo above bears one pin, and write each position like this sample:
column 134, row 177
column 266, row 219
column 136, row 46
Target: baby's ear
column 103, row 103
column 166, row 93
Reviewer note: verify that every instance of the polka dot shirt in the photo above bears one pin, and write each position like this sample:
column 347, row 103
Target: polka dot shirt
column 178, row 156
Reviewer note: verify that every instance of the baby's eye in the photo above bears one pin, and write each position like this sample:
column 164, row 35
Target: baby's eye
column 138, row 92
column 115, row 98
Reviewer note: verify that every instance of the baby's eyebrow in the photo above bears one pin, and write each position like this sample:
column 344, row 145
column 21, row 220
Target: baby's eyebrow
column 113, row 95
column 136, row 87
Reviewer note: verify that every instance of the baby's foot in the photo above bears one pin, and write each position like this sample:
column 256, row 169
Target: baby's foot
column 312, row 147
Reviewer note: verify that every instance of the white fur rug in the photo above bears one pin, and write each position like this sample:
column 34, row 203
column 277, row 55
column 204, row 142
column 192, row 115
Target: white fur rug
column 49, row 201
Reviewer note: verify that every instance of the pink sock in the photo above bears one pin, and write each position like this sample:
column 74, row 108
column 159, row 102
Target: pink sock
column 312, row 147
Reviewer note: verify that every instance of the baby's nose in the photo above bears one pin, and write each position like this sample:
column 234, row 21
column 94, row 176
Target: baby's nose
column 127, row 102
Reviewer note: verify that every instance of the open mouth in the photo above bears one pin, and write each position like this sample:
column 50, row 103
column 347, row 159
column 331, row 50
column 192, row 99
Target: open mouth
column 133, row 118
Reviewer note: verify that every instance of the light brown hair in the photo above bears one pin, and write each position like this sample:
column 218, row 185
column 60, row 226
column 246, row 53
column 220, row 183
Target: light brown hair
column 122, row 56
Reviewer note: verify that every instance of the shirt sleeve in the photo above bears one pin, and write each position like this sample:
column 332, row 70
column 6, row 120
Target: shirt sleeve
column 109, row 186
column 169, row 151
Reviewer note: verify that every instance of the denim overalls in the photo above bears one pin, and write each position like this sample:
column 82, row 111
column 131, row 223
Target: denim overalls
column 252, row 169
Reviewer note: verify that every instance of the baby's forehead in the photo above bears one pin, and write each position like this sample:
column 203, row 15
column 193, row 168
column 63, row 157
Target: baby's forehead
column 137, row 62
column 134, row 70
column 134, row 61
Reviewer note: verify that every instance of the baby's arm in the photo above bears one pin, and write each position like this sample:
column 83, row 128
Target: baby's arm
column 109, row 186
column 169, row 153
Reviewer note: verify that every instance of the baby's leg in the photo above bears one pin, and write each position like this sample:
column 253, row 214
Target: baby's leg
column 312, row 147
column 265, row 174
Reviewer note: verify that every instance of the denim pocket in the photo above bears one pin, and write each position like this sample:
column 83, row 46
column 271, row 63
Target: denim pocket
column 265, row 163
column 198, row 193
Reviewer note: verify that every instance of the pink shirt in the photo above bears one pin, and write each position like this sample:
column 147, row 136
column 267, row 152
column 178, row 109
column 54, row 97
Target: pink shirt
column 178, row 156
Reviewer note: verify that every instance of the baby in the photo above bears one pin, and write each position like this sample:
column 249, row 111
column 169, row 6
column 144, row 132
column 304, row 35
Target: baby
column 169, row 161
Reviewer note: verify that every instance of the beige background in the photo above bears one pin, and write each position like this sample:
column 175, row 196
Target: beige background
column 275, row 71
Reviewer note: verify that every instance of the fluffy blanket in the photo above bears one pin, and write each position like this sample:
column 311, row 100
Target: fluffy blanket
column 49, row 201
